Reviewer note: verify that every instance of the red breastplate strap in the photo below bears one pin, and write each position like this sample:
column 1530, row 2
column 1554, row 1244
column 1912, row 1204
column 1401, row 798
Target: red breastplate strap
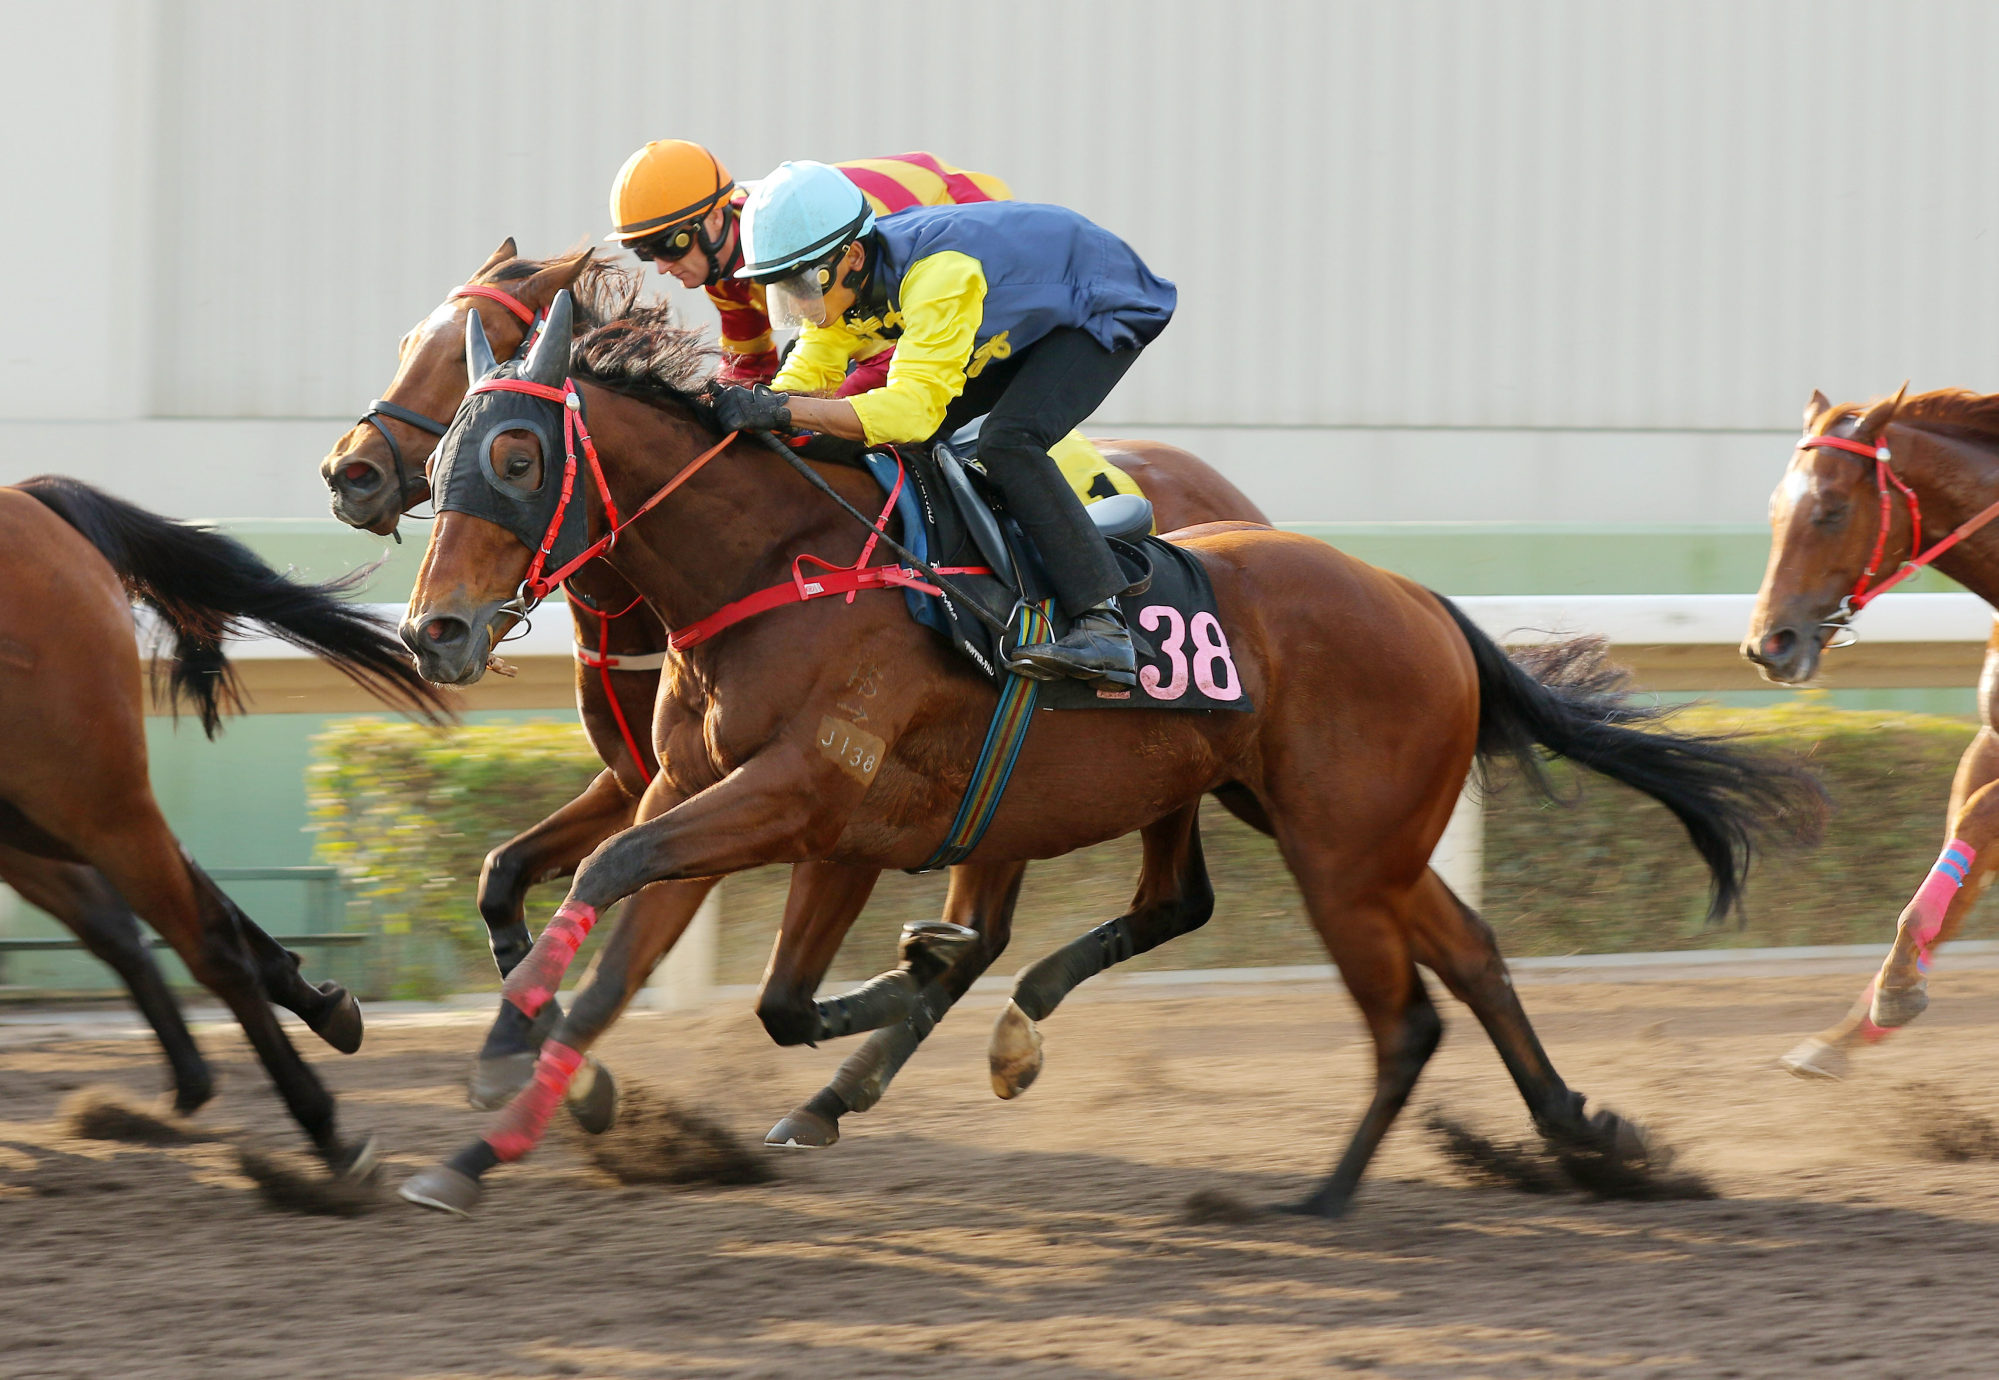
column 1886, row 483
column 834, row 580
column 830, row 581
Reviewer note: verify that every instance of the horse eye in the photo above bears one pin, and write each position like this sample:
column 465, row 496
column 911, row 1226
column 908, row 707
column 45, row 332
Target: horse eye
column 518, row 466
column 1831, row 517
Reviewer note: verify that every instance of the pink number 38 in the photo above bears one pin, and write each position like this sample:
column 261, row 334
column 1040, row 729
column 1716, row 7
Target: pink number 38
column 1214, row 672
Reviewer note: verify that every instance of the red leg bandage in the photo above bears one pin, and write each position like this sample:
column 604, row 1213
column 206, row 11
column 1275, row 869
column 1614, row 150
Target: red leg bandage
column 534, row 981
column 520, row 1125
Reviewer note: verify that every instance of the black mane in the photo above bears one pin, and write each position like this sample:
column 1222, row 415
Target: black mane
column 643, row 354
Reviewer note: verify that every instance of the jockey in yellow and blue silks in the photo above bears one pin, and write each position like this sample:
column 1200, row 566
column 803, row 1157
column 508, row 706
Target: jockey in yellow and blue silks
column 1023, row 313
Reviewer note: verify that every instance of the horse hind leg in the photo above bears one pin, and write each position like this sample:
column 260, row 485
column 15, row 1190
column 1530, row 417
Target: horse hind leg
column 1450, row 939
column 328, row 1009
column 140, row 857
column 1174, row 898
column 981, row 899
column 93, row 910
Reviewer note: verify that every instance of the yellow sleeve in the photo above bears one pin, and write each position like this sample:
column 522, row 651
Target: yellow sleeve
column 943, row 301
column 818, row 363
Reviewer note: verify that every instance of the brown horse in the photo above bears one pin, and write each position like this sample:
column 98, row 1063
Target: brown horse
column 1372, row 698
column 376, row 477
column 1839, row 522
column 76, row 812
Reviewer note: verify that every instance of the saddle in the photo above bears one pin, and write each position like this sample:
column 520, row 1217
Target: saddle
column 949, row 514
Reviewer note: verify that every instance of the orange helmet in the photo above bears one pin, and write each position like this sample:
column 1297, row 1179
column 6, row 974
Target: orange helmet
column 669, row 182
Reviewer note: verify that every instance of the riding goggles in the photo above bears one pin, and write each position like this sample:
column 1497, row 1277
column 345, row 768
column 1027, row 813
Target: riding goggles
column 666, row 246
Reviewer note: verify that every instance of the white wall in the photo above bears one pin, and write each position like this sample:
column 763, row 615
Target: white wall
column 1608, row 248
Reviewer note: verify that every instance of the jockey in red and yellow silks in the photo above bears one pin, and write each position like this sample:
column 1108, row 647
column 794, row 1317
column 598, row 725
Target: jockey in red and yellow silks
column 674, row 203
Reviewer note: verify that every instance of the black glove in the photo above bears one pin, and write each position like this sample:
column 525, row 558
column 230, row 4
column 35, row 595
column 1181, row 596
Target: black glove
column 752, row 409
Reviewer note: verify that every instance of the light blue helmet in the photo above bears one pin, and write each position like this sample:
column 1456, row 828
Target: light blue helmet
column 799, row 215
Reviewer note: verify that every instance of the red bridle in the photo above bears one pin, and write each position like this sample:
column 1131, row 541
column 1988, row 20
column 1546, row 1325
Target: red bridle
column 1919, row 559
column 417, row 421
column 493, row 294
column 538, row 586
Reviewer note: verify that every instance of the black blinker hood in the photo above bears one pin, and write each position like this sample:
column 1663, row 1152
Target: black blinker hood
column 461, row 474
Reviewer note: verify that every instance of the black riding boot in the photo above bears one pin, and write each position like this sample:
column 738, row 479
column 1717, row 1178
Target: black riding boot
column 1096, row 647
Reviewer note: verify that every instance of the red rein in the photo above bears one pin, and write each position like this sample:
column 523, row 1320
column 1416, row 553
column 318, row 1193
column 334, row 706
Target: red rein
column 1884, row 476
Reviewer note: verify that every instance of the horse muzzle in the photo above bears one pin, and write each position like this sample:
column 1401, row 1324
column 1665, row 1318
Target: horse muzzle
column 1786, row 654
column 364, row 493
column 450, row 648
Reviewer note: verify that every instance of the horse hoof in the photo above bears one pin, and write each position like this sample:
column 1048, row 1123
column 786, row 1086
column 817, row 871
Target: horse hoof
column 592, row 1098
column 358, row 1164
column 495, row 1080
column 1014, row 1052
column 804, row 1129
column 442, row 1189
column 340, row 1024
column 929, row 947
column 192, row 1094
column 1816, row 1058
column 1894, row 1007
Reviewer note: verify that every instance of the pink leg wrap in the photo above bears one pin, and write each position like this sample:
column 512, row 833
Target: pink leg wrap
column 1868, row 1031
column 534, row 981
column 519, row 1126
column 1934, row 896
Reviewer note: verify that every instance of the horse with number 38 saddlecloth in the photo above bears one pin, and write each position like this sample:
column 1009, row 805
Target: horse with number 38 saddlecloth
column 1370, row 698
column 380, row 469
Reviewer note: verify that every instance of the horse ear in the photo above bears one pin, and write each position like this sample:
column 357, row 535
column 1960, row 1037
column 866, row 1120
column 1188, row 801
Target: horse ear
column 1875, row 420
column 1816, row 407
column 499, row 256
column 548, row 361
column 479, row 360
column 561, row 274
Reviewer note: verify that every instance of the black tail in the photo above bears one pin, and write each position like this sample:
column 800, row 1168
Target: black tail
column 206, row 586
column 1567, row 699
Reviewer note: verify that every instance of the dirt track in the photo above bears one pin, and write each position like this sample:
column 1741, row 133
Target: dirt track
column 952, row 1234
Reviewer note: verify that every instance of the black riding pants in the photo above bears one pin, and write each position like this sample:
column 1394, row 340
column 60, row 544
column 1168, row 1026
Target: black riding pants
column 1030, row 402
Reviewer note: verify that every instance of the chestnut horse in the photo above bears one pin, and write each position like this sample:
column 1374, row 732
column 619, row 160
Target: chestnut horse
column 1869, row 488
column 375, row 477
column 78, row 822
column 1372, row 699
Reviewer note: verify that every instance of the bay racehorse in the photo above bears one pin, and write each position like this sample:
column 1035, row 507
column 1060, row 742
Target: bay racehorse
column 1872, row 494
column 78, row 822
column 1371, row 696
column 378, row 470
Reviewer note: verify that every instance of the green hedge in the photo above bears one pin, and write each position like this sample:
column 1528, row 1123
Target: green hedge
column 409, row 814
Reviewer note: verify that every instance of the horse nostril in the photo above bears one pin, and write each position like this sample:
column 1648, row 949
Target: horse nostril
column 1778, row 644
column 445, row 630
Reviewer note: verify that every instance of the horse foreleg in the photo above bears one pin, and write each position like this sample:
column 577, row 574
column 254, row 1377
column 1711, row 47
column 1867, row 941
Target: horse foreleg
column 1173, row 898
column 981, row 900
column 1899, row 992
column 91, row 907
column 1947, row 895
column 563, row 1070
column 551, row 849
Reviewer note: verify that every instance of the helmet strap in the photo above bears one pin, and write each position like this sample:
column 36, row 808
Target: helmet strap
column 718, row 267
column 870, row 299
